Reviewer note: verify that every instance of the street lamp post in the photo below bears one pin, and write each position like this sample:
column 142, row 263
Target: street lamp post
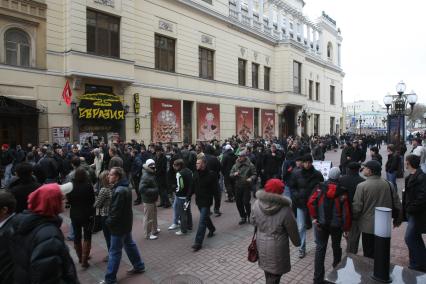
column 424, row 117
column 396, row 105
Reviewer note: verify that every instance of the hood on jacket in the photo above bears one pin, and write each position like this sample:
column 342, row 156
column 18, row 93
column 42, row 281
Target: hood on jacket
column 246, row 162
column 271, row 203
column 148, row 169
column 122, row 182
column 27, row 221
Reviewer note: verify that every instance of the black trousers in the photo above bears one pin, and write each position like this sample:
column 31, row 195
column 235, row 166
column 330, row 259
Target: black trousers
column 82, row 230
column 368, row 245
column 272, row 278
column 230, row 189
column 217, row 198
column 135, row 182
column 242, row 198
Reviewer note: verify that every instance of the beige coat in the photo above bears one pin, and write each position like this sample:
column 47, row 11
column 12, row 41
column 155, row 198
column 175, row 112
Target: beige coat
column 372, row 193
column 275, row 223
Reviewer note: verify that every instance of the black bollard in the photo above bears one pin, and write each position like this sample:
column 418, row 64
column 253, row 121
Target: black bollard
column 382, row 239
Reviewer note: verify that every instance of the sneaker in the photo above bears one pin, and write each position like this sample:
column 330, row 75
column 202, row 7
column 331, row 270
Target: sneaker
column 242, row 221
column 302, row 254
column 135, row 271
column 173, row 227
column 196, row 247
column 180, row 233
column 157, row 232
column 152, row 237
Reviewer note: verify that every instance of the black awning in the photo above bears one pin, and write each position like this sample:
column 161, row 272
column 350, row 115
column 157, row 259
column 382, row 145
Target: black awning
column 16, row 107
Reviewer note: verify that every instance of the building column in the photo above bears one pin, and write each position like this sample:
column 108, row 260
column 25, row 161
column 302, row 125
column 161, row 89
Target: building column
column 315, row 41
column 270, row 17
column 308, row 36
column 287, row 26
column 250, row 11
column 280, row 24
column 339, row 58
column 239, row 10
column 261, row 14
column 320, row 42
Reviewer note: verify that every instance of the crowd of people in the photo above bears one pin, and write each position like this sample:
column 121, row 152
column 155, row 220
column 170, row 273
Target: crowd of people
column 290, row 197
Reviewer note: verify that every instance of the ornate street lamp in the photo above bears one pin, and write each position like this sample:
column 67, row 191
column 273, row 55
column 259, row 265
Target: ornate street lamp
column 397, row 105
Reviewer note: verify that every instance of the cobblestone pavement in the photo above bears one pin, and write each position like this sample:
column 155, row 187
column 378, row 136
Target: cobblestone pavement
column 223, row 258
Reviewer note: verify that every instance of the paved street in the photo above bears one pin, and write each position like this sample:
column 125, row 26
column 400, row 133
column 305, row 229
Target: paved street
column 223, row 257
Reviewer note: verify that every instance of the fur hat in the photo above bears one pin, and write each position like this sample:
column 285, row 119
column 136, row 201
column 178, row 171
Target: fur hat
column 274, row 185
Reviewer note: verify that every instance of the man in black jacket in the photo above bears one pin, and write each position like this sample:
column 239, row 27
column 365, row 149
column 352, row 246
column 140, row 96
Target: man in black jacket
column 49, row 166
column 302, row 184
column 161, row 175
column 7, row 214
column 228, row 161
column 213, row 164
column 348, row 183
column 205, row 186
column 272, row 163
column 119, row 222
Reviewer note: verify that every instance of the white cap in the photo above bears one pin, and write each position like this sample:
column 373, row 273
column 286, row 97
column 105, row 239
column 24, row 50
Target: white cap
column 227, row 147
column 149, row 162
column 66, row 188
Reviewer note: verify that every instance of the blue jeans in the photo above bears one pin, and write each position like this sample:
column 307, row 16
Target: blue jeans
column 301, row 226
column 179, row 213
column 115, row 251
column 205, row 223
column 106, row 232
column 7, row 175
column 391, row 177
column 287, row 192
column 415, row 244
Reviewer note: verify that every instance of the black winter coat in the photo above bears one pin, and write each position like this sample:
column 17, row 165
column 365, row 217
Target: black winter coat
column 81, row 199
column 349, row 183
column 272, row 164
column 392, row 164
column 414, row 199
column 148, row 186
column 6, row 261
column 120, row 217
column 161, row 170
column 49, row 167
column 41, row 255
column 213, row 164
column 205, row 186
column 302, row 184
column 21, row 188
column 228, row 161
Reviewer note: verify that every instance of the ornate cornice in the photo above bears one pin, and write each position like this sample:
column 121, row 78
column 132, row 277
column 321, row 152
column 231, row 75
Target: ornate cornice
column 28, row 7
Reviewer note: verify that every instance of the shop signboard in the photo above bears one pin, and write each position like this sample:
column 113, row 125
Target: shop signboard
column 166, row 120
column 100, row 106
column 244, row 121
column 208, row 122
column 268, row 124
column 61, row 135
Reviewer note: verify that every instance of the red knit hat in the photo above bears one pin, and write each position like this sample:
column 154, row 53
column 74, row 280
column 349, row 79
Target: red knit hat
column 5, row 146
column 274, row 185
column 46, row 200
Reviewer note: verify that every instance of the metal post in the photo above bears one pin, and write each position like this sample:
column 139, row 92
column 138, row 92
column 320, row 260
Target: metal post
column 382, row 239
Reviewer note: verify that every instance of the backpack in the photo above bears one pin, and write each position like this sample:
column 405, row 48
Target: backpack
column 329, row 207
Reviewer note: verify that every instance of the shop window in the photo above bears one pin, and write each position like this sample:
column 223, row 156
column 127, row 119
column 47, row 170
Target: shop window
column 297, row 77
column 103, row 34
column 206, row 62
column 317, row 91
column 17, row 47
column 164, row 53
column 332, row 95
column 311, row 89
column 330, row 51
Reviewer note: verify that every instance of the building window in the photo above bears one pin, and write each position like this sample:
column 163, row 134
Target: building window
column 329, row 51
column 316, row 124
column 206, row 59
column 332, row 95
column 267, row 79
column 255, row 75
column 317, row 91
column 164, row 53
column 332, row 124
column 242, row 72
column 17, row 47
column 103, row 34
column 297, row 77
column 208, row 1
column 311, row 89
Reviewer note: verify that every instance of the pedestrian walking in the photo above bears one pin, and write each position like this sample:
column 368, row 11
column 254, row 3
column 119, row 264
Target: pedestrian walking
column 244, row 174
column 414, row 210
column 372, row 193
column 275, row 224
column 227, row 163
column 392, row 165
column 102, row 204
column 205, row 186
column 120, row 222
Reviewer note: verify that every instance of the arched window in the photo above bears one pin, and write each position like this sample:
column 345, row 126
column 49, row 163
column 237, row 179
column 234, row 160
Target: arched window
column 17, row 47
column 329, row 50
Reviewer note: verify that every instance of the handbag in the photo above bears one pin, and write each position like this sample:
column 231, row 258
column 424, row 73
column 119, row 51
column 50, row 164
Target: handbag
column 253, row 254
column 97, row 222
column 395, row 211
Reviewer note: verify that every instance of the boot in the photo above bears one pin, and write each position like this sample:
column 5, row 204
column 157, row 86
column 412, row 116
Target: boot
column 78, row 250
column 87, row 245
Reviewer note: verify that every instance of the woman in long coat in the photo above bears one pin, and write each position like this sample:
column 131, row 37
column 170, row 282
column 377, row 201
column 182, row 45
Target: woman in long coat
column 273, row 217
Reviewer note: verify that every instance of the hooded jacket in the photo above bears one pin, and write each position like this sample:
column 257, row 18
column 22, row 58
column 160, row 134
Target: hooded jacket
column 302, row 184
column 148, row 185
column 120, row 218
column 275, row 222
column 41, row 255
column 246, row 170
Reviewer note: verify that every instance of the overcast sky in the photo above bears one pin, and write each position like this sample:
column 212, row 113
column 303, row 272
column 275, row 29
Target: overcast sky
column 384, row 41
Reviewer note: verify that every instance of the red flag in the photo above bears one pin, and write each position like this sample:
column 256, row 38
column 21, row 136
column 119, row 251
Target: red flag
column 67, row 94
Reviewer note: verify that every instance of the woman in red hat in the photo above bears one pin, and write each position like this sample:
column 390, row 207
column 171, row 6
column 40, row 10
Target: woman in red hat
column 274, row 221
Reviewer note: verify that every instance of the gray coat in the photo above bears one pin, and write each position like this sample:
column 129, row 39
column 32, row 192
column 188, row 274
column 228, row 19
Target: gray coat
column 275, row 222
column 372, row 193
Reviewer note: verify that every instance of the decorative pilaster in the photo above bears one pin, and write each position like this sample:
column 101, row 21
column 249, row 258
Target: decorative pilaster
column 287, row 26
column 280, row 24
column 315, row 41
column 250, row 11
column 308, row 36
column 261, row 14
column 239, row 10
column 270, row 17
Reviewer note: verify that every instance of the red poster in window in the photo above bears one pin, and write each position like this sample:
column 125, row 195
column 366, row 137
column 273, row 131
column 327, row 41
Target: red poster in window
column 208, row 122
column 166, row 120
column 268, row 124
column 244, row 120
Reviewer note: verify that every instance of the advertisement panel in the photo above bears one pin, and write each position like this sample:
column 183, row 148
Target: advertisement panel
column 396, row 122
column 244, row 120
column 61, row 135
column 166, row 120
column 208, row 122
column 268, row 124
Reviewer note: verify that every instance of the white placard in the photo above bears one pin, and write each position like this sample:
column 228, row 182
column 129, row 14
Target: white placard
column 323, row 166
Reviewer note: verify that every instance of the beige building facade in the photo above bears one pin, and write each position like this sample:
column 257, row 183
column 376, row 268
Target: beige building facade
column 167, row 70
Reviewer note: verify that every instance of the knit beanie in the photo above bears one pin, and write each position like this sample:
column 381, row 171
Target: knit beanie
column 274, row 185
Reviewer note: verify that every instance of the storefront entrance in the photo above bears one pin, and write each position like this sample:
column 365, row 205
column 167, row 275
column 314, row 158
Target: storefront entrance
column 287, row 125
column 18, row 122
